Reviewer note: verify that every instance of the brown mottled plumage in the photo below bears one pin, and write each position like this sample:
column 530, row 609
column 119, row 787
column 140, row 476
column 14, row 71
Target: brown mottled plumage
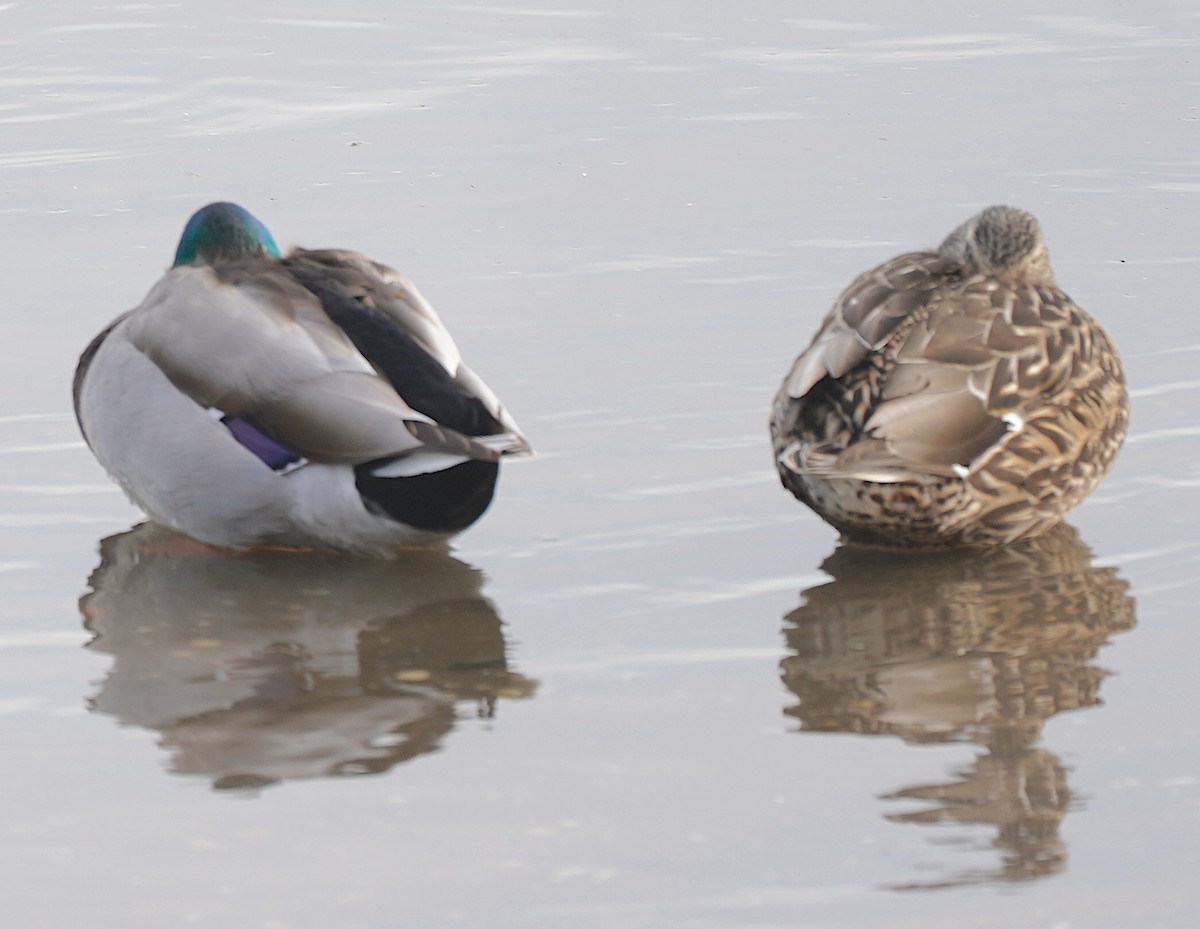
column 952, row 397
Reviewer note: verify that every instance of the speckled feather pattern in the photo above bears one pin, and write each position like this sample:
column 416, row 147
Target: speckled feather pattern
column 947, row 401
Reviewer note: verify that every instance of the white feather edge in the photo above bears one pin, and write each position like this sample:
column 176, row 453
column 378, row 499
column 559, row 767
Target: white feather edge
column 428, row 462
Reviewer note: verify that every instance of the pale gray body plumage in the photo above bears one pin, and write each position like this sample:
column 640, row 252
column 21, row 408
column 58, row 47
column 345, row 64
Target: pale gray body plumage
column 237, row 336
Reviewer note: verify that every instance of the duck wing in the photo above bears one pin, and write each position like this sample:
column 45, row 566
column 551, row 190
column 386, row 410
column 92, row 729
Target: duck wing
column 973, row 367
column 245, row 338
column 866, row 316
column 973, row 370
column 932, row 369
column 402, row 337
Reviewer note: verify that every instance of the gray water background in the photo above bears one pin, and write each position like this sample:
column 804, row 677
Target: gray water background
column 634, row 697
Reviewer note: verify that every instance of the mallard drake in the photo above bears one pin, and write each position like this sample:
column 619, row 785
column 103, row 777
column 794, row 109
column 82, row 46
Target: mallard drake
column 312, row 399
column 952, row 397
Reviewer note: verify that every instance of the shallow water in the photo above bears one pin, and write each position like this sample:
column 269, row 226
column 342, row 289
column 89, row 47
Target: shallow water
column 647, row 689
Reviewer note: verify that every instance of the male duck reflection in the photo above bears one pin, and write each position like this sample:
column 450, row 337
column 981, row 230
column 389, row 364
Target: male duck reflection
column 268, row 667
column 307, row 399
column 952, row 397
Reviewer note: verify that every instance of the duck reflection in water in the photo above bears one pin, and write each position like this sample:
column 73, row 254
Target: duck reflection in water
column 260, row 667
column 980, row 647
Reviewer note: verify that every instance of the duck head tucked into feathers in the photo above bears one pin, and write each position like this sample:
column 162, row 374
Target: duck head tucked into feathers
column 1003, row 241
column 307, row 399
column 223, row 231
column 952, row 397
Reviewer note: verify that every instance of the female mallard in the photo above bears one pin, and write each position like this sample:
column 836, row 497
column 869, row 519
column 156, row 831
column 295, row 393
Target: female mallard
column 312, row 399
column 952, row 397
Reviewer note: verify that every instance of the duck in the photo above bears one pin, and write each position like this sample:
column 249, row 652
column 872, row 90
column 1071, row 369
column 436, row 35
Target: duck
column 312, row 399
column 952, row 397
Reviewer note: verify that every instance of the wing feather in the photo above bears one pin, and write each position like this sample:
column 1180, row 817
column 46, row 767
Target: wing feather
column 865, row 317
column 942, row 366
column 358, row 286
column 954, row 391
column 252, row 342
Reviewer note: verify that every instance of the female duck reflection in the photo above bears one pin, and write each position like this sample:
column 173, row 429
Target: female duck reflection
column 963, row 646
column 266, row 666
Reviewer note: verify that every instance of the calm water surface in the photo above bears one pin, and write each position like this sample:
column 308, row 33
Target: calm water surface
column 648, row 689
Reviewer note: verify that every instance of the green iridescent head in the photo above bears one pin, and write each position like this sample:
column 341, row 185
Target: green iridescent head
column 223, row 231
